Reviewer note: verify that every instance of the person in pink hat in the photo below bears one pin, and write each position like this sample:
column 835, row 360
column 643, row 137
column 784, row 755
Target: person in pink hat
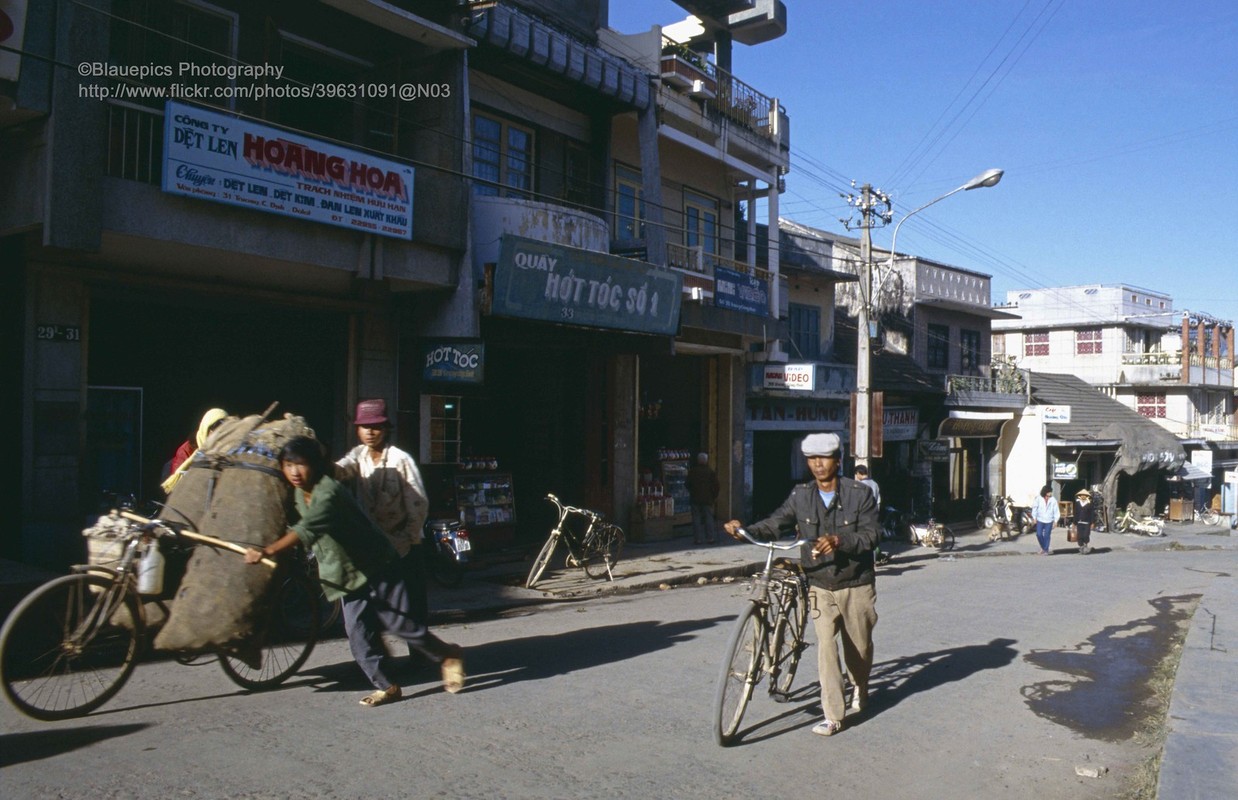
column 389, row 488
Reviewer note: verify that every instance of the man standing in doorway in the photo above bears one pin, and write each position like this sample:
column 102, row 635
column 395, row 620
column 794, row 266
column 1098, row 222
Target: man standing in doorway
column 839, row 516
column 702, row 494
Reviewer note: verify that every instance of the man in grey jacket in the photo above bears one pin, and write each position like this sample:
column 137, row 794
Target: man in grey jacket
column 839, row 515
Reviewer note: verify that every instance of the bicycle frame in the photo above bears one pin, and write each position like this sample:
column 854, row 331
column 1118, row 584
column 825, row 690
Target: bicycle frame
column 768, row 640
column 600, row 539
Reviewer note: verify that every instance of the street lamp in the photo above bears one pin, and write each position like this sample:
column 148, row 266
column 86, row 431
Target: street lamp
column 863, row 372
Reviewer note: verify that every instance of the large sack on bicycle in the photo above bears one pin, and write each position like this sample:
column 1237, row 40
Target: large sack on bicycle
column 218, row 606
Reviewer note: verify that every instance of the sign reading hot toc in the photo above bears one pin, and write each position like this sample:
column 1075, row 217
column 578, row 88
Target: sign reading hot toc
column 454, row 361
column 213, row 156
column 536, row 280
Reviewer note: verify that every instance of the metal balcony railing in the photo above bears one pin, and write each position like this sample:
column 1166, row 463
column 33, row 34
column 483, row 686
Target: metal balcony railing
column 1006, row 382
column 1154, row 358
column 134, row 142
column 721, row 92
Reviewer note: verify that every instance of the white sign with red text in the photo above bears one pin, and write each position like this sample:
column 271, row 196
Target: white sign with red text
column 226, row 159
column 789, row 376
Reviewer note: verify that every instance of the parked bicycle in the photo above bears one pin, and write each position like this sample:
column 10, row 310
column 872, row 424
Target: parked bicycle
column 768, row 639
column 931, row 533
column 71, row 644
column 596, row 550
column 1131, row 521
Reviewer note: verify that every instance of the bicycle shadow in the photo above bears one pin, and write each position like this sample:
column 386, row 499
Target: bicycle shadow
column 534, row 658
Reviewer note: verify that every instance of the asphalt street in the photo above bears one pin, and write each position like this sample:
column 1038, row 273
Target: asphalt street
column 998, row 674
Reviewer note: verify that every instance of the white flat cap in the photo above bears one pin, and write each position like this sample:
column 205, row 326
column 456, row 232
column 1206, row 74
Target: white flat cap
column 820, row 444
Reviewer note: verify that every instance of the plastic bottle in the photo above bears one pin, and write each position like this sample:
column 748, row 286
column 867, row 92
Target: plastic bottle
column 150, row 570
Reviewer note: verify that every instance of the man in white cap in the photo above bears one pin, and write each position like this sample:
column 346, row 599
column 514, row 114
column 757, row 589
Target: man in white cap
column 839, row 515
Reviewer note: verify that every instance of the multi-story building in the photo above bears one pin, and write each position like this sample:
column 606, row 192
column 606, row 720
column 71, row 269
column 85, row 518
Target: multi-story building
column 1175, row 367
column 519, row 227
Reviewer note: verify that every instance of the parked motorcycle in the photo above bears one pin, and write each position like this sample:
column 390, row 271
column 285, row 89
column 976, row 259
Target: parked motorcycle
column 931, row 533
column 447, row 551
column 1005, row 520
column 1130, row 521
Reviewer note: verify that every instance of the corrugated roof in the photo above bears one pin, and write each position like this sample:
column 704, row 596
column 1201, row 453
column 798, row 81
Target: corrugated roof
column 1091, row 412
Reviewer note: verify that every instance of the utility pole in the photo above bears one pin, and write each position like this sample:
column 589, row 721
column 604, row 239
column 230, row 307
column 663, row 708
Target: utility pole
column 869, row 204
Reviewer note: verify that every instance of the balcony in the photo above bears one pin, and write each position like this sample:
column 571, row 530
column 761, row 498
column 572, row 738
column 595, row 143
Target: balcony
column 1007, row 387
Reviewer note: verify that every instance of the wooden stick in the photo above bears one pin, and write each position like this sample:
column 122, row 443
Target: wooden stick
column 199, row 537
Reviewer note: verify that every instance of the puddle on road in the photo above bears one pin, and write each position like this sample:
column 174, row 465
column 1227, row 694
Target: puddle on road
column 1107, row 693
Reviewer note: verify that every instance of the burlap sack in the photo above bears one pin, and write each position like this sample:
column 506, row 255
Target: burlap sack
column 219, row 605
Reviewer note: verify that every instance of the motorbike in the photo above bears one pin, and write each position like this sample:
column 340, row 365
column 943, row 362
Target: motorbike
column 1130, row 521
column 931, row 533
column 447, row 551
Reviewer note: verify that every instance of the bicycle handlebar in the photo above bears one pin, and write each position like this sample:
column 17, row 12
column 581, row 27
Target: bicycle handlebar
column 772, row 545
column 573, row 509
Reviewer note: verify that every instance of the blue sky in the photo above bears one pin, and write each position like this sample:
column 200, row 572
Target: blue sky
column 1116, row 124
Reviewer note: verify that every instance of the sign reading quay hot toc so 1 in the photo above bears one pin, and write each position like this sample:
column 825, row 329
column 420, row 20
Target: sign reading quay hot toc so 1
column 217, row 157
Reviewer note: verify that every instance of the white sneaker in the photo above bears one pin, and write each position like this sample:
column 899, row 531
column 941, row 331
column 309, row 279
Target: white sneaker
column 827, row 727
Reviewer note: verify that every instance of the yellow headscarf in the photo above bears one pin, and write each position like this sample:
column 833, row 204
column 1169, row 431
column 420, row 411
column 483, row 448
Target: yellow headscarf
column 208, row 420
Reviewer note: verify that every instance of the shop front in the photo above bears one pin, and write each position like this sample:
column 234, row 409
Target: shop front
column 554, row 404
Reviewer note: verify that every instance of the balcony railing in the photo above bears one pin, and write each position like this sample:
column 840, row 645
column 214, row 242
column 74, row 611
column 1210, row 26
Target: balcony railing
column 695, row 259
column 1154, row 358
column 721, row 92
column 1005, row 387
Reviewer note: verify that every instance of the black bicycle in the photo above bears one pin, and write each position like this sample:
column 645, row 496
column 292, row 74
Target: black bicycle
column 596, row 550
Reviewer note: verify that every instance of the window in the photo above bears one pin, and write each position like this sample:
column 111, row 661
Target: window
column 629, row 204
column 938, row 346
column 1036, row 344
column 969, row 350
column 1087, row 342
column 503, row 155
column 700, row 215
column 444, row 429
column 805, row 323
column 999, row 344
column 1151, row 405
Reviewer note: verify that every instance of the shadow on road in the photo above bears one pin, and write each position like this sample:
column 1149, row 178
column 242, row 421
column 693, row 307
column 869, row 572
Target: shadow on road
column 532, row 658
column 18, row 748
column 894, row 681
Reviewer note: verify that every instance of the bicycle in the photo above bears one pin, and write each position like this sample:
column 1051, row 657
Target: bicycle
column 595, row 551
column 768, row 639
column 70, row 645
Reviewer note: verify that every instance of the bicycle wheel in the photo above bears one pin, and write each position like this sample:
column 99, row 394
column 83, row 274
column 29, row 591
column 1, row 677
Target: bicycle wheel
column 443, row 567
column 788, row 644
column 292, row 632
column 69, row 646
column 603, row 552
column 943, row 538
column 739, row 676
column 1210, row 517
column 543, row 558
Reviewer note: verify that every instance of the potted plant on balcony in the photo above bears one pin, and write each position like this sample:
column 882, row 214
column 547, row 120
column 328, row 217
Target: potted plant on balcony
column 687, row 69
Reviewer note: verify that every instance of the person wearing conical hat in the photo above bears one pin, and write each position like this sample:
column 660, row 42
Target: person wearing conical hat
column 1085, row 516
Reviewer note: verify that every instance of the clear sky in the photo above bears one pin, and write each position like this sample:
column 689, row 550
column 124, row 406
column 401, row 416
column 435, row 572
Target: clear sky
column 1116, row 124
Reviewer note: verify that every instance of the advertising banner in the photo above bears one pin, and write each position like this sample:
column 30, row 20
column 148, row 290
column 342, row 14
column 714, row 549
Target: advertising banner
column 213, row 156
column 740, row 292
column 798, row 377
column 552, row 283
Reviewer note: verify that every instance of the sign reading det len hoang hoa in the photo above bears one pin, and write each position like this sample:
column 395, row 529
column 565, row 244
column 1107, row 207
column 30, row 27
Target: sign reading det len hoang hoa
column 212, row 156
column 552, row 283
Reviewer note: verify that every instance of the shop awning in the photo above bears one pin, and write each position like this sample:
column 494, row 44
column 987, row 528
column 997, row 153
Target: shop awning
column 973, row 424
column 1189, row 472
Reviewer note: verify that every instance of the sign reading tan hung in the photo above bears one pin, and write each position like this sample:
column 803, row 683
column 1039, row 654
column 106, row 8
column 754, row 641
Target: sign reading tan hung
column 552, row 283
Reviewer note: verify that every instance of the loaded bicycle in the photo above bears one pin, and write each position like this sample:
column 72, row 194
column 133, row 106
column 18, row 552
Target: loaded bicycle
column 71, row 644
column 595, row 550
column 768, row 639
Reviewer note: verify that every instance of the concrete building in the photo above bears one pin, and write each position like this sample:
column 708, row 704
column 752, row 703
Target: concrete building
column 1174, row 367
column 530, row 236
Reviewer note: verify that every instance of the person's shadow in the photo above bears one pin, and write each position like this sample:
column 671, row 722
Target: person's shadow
column 532, row 658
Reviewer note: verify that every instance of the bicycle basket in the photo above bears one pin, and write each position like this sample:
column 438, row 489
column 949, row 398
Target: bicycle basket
column 106, row 540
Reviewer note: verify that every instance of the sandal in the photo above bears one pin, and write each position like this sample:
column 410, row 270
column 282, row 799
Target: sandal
column 382, row 697
column 453, row 671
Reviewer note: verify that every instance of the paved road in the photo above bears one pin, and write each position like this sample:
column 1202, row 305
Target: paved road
column 996, row 677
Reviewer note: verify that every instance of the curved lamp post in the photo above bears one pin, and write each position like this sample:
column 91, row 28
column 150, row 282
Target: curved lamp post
column 863, row 376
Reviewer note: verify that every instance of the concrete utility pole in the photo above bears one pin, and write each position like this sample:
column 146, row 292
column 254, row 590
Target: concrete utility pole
column 868, row 204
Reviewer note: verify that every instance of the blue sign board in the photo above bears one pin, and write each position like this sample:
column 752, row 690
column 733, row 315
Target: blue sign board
column 454, row 361
column 552, row 283
column 740, row 292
